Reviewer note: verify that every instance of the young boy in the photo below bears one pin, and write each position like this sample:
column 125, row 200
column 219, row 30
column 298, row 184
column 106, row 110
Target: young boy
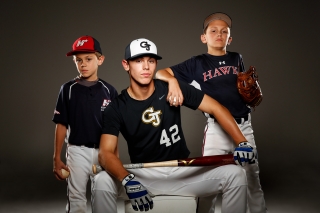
column 215, row 73
column 78, row 118
column 153, row 131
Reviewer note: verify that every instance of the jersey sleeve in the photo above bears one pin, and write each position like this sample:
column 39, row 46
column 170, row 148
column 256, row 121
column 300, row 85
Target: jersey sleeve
column 114, row 94
column 185, row 70
column 111, row 120
column 60, row 114
column 241, row 64
column 192, row 96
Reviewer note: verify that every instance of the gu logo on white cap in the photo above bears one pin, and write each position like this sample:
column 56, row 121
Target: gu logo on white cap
column 140, row 47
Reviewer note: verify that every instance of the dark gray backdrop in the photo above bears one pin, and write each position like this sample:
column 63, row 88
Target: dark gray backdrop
column 278, row 37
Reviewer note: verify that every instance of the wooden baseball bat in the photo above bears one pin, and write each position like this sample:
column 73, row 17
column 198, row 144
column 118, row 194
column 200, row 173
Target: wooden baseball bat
column 214, row 160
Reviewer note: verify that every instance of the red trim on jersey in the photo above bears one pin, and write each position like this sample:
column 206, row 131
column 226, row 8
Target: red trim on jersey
column 204, row 138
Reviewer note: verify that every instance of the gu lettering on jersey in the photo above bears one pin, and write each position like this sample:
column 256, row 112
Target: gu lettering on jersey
column 105, row 104
column 225, row 70
column 151, row 116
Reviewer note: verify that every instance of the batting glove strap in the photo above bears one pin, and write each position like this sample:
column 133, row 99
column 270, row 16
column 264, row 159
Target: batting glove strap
column 127, row 178
column 245, row 144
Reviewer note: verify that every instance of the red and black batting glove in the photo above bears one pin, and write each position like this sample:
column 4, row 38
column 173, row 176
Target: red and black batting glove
column 244, row 154
column 137, row 194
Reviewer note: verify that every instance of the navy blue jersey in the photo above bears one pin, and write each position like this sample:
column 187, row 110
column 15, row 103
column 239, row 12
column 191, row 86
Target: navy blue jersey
column 217, row 77
column 80, row 108
column 152, row 128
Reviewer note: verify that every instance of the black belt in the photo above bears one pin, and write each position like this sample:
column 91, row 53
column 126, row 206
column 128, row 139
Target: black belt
column 89, row 145
column 239, row 120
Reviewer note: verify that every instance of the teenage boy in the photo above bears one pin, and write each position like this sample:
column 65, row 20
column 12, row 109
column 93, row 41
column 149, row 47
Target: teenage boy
column 153, row 131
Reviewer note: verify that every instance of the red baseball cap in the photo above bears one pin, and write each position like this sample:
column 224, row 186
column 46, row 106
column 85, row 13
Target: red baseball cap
column 85, row 44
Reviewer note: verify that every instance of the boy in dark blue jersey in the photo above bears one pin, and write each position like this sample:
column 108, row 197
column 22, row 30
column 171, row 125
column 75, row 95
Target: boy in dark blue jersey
column 78, row 118
column 153, row 132
column 215, row 73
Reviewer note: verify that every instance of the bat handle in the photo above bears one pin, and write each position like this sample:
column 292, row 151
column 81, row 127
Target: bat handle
column 133, row 166
column 96, row 169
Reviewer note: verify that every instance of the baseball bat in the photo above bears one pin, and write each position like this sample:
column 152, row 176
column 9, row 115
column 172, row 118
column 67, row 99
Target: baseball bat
column 214, row 160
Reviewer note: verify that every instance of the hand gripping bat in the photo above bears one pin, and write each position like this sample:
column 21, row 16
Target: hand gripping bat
column 215, row 160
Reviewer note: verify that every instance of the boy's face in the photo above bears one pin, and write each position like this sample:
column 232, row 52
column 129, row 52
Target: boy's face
column 87, row 65
column 141, row 70
column 217, row 35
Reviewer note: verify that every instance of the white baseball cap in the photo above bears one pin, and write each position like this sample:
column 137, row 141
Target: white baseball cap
column 140, row 47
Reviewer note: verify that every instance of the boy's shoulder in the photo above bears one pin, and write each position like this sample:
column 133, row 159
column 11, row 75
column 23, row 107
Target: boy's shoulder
column 233, row 53
column 69, row 83
column 106, row 84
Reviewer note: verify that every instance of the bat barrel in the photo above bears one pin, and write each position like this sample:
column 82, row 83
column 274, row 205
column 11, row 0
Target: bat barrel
column 216, row 160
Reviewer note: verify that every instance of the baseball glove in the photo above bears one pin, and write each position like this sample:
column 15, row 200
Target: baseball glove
column 249, row 88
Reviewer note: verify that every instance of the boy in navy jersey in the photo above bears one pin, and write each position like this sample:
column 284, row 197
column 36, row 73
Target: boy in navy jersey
column 78, row 118
column 215, row 73
column 153, row 132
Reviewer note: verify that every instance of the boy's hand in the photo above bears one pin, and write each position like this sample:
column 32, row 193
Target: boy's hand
column 57, row 166
column 137, row 194
column 244, row 154
column 175, row 96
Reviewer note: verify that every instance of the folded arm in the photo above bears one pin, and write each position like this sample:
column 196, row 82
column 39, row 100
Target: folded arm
column 174, row 92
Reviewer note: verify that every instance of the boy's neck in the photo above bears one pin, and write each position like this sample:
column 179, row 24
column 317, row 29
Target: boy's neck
column 86, row 82
column 217, row 52
column 87, row 79
column 139, row 92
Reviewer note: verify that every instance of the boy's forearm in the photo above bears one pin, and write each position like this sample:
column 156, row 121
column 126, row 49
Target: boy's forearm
column 108, row 157
column 224, row 118
column 164, row 74
column 112, row 164
column 60, row 134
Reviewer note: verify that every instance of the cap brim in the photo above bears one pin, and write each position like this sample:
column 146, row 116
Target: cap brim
column 145, row 54
column 80, row 51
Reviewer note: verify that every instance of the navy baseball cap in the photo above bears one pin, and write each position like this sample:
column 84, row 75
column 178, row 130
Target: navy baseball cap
column 217, row 16
column 86, row 44
column 140, row 47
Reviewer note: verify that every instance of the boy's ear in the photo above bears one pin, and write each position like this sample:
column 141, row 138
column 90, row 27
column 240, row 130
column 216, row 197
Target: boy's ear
column 100, row 59
column 125, row 65
column 203, row 38
column 229, row 41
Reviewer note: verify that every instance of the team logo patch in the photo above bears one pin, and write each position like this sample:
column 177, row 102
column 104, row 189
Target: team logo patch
column 151, row 116
column 145, row 45
column 105, row 103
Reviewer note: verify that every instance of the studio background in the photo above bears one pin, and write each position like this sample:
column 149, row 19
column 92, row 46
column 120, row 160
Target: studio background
column 280, row 38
